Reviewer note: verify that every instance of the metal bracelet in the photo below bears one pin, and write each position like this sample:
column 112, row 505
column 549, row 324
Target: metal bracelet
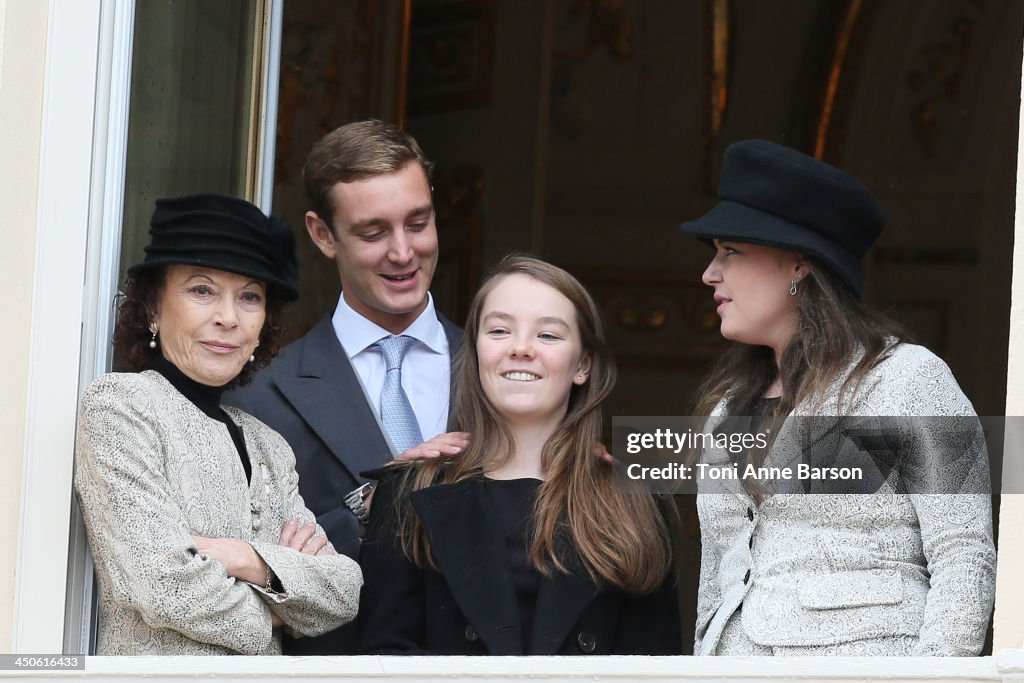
column 356, row 502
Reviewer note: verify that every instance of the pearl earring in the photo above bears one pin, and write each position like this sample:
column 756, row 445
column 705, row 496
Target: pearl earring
column 153, row 329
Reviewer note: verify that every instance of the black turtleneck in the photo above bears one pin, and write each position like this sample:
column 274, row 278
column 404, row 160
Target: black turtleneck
column 207, row 399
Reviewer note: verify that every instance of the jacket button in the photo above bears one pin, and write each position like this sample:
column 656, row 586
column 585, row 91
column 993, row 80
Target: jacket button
column 587, row 642
column 750, row 514
column 746, row 577
column 471, row 634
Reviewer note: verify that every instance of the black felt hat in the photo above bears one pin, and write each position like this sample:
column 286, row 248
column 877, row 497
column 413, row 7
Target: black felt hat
column 776, row 196
column 225, row 233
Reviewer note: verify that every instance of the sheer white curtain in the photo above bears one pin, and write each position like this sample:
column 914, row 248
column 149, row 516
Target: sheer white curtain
column 193, row 92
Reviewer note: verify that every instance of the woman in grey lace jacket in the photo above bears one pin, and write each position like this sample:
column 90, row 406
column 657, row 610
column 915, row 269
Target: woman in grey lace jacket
column 201, row 541
column 899, row 562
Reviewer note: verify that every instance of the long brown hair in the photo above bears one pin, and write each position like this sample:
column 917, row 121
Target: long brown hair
column 833, row 328
column 621, row 538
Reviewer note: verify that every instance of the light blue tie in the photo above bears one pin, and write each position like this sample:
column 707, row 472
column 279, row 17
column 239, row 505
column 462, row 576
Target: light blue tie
column 395, row 409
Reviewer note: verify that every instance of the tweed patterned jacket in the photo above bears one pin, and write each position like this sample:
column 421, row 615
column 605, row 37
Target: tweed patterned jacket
column 819, row 569
column 151, row 470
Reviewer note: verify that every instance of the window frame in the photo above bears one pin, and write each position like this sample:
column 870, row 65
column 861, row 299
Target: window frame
column 81, row 208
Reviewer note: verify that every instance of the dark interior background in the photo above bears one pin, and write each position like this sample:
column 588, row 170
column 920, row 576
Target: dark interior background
column 585, row 131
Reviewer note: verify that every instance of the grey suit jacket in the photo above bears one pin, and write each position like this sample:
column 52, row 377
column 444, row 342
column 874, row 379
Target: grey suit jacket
column 151, row 470
column 819, row 569
column 311, row 395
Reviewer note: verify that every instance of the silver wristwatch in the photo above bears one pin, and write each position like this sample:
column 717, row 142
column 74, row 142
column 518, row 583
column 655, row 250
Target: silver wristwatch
column 355, row 500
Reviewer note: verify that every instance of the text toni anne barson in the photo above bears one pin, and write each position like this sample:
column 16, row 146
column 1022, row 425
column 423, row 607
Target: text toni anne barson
column 710, row 471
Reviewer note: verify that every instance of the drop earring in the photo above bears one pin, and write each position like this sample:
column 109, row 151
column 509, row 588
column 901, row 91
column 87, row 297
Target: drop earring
column 792, row 287
column 153, row 329
column 252, row 356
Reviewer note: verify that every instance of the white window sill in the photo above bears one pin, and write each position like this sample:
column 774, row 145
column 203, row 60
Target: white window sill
column 1007, row 665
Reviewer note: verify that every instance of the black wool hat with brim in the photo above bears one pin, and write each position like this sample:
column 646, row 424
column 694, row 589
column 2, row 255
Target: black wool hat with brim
column 222, row 233
column 775, row 196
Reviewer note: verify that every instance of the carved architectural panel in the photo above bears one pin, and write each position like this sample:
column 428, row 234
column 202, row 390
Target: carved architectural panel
column 458, row 193
column 926, row 68
column 655, row 319
column 340, row 62
column 450, row 55
column 938, row 75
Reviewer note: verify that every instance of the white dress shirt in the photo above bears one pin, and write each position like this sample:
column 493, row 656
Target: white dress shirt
column 426, row 368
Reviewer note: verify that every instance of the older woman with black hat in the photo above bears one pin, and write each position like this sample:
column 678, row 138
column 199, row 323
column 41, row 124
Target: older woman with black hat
column 899, row 564
column 201, row 542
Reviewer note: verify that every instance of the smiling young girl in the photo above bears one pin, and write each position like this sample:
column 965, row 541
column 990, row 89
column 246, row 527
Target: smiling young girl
column 903, row 567
column 520, row 545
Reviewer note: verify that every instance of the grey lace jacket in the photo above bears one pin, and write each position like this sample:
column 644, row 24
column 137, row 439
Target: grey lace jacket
column 820, row 569
column 151, row 470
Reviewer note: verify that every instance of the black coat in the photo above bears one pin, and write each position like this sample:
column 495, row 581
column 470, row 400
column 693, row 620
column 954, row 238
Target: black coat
column 469, row 606
column 311, row 395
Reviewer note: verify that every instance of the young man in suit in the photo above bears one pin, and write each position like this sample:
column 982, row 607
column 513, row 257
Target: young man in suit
column 334, row 394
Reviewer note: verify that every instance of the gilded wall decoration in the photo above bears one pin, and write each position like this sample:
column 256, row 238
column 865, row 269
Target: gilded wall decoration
column 655, row 319
column 822, row 89
column 938, row 71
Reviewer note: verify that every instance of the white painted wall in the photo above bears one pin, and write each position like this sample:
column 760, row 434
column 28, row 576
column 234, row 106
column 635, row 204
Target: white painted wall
column 1008, row 620
column 22, row 60
column 68, row 150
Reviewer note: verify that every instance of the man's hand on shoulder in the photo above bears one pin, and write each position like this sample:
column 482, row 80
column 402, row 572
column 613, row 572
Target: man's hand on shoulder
column 601, row 452
column 449, row 443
